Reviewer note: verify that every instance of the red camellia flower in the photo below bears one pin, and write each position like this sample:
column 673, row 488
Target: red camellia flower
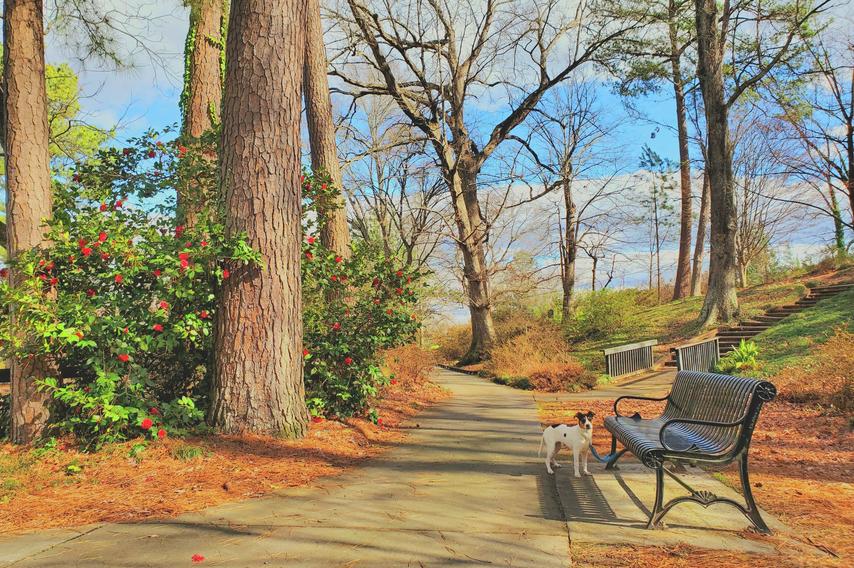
column 124, row 358
column 179, row 230
column 146, row 424
column 4, row 272
column 164, row 305
column 103, row 207
column 119, row 278
column 157, row 327
column 105, row 256
column 394, row 381
column 333, row 278
column 197, row 558
column 317, row 419
column 389, row 312
column 203, row 243
column 102, row 236
column 125, row 151
column 185, row 264
column 310, row 240
column 119, row 204
column 86, row 251
column 151, row 153
column 157, row 272
column 336, row 326
column 81, row 243
column 182, row 151
column 308, row 255
column 338, row 259
column 399, row 273
column 183, row 255
column 399, row 291
column 153, row 411
column 225, row 274
column 379, row 421
column 305, row 352
column 203, row 314
column 43, row 276
column 377, row 301
column 79, row 335
column 90, row 292
column 188, row 244
column 161, row 433
column 323, row 186
column 54, row 281
column 348, row 360
column 376, row 283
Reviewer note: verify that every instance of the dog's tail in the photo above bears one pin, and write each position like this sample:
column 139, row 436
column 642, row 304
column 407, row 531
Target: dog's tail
column 540, row 451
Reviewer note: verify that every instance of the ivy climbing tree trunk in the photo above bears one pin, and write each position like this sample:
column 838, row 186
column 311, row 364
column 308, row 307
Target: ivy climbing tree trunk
column 321, row 130
column 258, row 377
column 28, row 191
column 202, row 94
column 569, row 250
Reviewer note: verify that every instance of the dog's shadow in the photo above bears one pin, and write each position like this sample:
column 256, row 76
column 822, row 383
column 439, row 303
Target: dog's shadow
column 584, row 501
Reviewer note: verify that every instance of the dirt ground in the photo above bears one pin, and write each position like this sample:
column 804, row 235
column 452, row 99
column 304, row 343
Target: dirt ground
column 801, row 469
column 63, row 487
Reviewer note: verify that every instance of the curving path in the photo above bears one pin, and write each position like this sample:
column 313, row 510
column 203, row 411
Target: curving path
column 464, row 488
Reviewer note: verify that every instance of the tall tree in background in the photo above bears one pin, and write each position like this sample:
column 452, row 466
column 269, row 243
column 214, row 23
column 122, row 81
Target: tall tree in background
column 335, row 234
column 749, row 40
column 202, row 95
column 28, row 187
column 258, row 375
column 645, row 60
column 436, row 60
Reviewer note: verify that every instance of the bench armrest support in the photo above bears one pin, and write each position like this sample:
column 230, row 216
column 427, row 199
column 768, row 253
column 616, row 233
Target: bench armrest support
column 616, row 402
column 664, row 445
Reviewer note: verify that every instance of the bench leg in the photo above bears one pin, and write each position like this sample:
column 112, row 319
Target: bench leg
column 752, row 511
column 657, row 513
column 612, row 461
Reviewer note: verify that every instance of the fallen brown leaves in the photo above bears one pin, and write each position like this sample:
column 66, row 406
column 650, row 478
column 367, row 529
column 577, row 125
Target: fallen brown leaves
column 801, row 469
column 112, row 486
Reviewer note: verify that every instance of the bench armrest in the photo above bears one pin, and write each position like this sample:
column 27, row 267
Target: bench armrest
column 616, row 402
column 664, row 445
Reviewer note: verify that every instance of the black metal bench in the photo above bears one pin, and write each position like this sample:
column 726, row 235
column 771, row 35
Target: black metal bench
column 708, row 419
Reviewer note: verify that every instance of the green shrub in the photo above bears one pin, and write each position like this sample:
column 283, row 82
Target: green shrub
column 605, row 313
column 740, row 359
column 187, row 452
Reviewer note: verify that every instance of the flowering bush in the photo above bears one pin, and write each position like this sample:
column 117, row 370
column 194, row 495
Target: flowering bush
column 352, row 309
column 5, row 409
column 122, row 299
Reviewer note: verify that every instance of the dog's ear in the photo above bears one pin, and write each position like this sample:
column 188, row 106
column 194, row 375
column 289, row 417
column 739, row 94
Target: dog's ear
column 579, row 415
column 590, row 414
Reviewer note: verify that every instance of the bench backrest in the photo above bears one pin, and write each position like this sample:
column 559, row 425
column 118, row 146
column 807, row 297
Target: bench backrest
column 718, row 398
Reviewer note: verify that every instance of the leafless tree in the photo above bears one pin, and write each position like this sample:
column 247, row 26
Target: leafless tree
column 396, row 195
column 438, row 60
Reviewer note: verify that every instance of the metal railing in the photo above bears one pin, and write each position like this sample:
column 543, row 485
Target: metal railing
column 701, row 356
column 631, row 358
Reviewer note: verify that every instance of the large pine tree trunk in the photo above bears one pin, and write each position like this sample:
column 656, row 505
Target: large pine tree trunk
column 202, row 95
column 321, row 130
column 721, row 302
column 700, row 244
column 472, row 236
column 570, row 248
column 28, row 191
column 258, row 379
column 683, row 264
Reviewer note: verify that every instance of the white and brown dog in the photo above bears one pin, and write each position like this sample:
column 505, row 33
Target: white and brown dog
column 577, row 437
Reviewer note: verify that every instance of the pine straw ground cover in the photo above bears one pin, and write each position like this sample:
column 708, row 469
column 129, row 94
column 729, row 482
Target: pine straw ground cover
column 801, row 468
column 63, row 487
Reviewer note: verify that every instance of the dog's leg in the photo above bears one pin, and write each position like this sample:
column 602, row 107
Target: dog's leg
column 575, row 452
column 554, row 455
column 584, row 455
column 549, row 457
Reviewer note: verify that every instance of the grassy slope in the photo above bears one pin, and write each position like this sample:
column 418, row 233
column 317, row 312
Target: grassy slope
column 794, row 338
column 677, row 321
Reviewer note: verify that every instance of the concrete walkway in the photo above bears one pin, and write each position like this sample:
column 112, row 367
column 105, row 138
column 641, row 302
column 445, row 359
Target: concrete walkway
column 465, row 488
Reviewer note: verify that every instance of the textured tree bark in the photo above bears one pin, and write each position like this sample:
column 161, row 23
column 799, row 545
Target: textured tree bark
column 700, row 244
column 681, row 287
column 258, row 378
column 471, row 228
column 570, row 250
column 204, row 87
column 721, row 302
column 335, row 234
column 203, row 92
column 28, row 190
